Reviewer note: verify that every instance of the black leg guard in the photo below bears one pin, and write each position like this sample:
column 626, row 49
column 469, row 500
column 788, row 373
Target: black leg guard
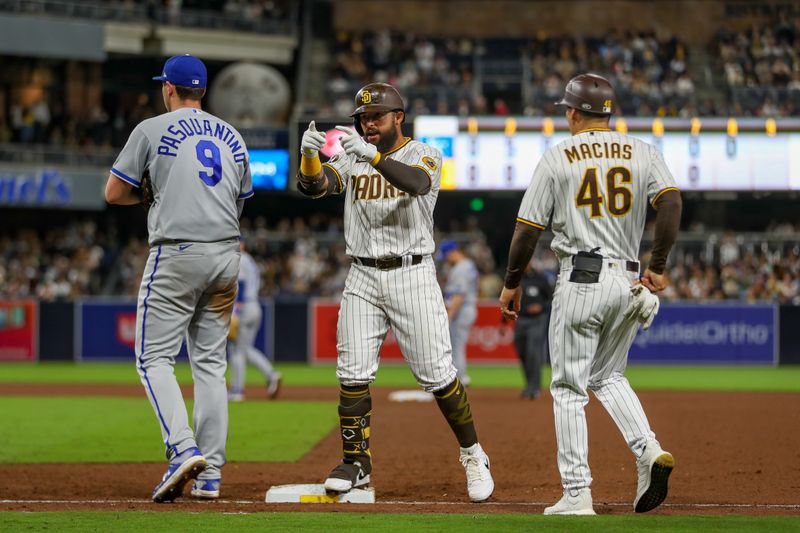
column 355, row 410
column 452, row 401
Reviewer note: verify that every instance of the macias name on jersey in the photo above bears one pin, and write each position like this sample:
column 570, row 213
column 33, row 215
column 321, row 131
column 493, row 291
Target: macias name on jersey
column 373, row 187
column 598, row 150
column 190, row 127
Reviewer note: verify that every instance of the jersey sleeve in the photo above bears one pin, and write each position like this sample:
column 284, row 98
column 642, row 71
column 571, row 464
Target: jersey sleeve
column 340, row 165
column 429, row 160
column 537, row 204
column 660, row 179
column 134, row 158
column 246, row 189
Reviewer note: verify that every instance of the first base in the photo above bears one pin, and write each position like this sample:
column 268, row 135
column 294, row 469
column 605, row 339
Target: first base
column 317, row 494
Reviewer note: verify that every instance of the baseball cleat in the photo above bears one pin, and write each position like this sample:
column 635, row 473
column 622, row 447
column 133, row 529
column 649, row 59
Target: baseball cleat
column 480, row 484
column 178, row 474
column 573, row 502
column 654, row 466
column 206, row 489
column 235, row 396
column 346, row 476
column 274, row 385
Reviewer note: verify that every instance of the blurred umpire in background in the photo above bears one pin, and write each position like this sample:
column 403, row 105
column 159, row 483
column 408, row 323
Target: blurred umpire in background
column 531, row 328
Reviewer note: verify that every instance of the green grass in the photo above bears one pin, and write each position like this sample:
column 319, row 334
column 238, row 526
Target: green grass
column 112, row 430
column 743, row 378
column 366, row 522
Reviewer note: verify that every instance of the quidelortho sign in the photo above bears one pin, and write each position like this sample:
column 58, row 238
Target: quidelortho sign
column 52, row 188
column 710, row 333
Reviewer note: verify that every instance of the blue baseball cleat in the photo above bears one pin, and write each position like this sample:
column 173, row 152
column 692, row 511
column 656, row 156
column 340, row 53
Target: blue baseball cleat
column 178, row 474
column 206, row 489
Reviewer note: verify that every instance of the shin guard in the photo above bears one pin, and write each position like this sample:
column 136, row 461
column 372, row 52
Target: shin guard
column 355, row 410
column 452, row 401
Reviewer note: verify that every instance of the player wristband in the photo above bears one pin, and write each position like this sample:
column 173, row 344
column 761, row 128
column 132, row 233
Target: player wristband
column 376, row 159
column 310, row 166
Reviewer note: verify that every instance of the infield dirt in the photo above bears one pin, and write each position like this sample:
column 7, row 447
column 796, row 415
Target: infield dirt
column 736, row 453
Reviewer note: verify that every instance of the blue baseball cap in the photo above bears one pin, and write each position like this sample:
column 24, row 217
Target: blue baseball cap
column 445, row 247
column 184, row 71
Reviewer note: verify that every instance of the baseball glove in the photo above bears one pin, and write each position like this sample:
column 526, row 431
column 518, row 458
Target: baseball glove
column 146, row 191
column 643, row 306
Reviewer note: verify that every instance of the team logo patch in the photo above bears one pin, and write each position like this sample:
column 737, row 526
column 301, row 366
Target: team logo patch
column 429, row 162
column 366, row 97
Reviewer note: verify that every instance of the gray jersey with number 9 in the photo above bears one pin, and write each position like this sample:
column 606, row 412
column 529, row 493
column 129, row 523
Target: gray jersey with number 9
column 199, row 168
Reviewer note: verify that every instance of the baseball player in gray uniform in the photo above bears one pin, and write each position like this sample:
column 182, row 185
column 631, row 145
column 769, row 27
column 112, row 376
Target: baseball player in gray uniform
column 390, row 185
column 595, row 186
column 461, row 299
column 245, row 324
column 199, row 176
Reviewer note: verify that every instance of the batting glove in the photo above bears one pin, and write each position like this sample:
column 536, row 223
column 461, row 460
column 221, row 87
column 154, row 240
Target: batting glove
column 643, row 307
column 353, row 143
column 313, row 141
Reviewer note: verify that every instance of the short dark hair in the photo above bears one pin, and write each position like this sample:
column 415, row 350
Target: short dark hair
column 586, row 115
column 189, row 93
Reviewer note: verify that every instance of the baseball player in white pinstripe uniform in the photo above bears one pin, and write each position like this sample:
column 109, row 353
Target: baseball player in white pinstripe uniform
column 390, row 185
column 199, row 172
column 595, row 187
column 245, row 323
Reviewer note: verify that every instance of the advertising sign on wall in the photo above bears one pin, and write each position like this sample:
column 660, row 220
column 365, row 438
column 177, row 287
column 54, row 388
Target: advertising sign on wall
column 18, row 330
column 710, row 333
column 682, row 333
column 490, row 339
column 106, row 329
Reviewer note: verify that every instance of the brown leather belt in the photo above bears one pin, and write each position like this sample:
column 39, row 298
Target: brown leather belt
column 386, row 263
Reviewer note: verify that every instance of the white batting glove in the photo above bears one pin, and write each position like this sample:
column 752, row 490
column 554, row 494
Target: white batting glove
column 353, row 143
column 643, row 307
column 313, row 141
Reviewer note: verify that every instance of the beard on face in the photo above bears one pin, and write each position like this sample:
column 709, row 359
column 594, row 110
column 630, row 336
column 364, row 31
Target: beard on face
column 387, row 140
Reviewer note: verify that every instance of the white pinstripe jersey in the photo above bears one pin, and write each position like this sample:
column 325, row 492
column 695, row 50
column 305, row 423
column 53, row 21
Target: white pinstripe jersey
column 380, row 220
column 596, row 186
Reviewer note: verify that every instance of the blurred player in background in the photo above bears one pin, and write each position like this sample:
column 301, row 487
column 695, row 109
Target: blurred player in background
column 595, row 186
column 531, row 328
column 245, row 323
column 461, row 300
column 391, row 183
column 198, row 177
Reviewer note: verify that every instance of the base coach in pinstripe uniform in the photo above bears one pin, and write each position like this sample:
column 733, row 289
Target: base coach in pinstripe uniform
column 390, row 185
column 595, row 187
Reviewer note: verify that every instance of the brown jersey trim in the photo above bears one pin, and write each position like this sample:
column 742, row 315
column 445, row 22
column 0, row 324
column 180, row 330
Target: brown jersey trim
column 662, row 191
column 393, row 150
column 528, row 222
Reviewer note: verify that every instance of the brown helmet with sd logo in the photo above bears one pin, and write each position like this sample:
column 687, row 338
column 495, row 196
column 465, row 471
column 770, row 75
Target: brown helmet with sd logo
column 589, row 93
column 376, row 97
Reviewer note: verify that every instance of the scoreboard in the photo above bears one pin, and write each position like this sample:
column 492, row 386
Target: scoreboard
column 704, row 154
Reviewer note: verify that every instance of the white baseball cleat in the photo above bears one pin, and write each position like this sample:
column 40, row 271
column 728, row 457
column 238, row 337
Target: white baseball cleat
column 573, row 502
column 347, row 476
column 654, row 466
column 480, row 484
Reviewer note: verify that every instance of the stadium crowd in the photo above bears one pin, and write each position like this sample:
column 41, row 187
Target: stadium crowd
column 761, row 67
column 306, row 257
column 757, row 72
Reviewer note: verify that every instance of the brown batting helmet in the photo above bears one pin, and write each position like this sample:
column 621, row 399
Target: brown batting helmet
column 589, row 93
column 376, row 97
